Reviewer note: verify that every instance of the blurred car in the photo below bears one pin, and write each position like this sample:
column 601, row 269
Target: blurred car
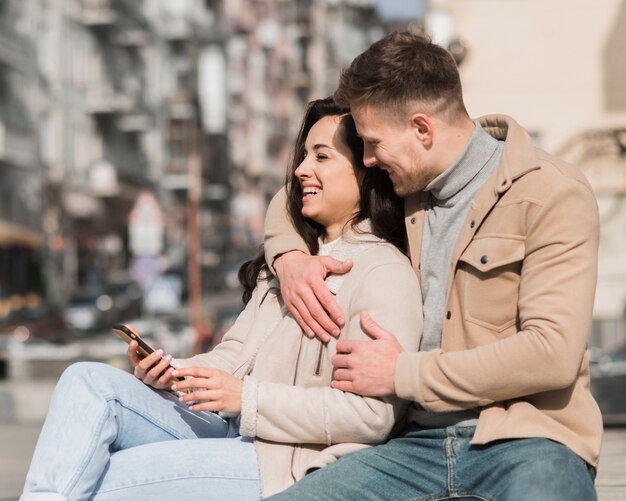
column 89, row 310
column 608, row 384
column 127, row 297
column 95, row 308
column 45, row 323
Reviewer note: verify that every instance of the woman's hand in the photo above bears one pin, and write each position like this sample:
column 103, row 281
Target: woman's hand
column 210, row 389
column 154, row 370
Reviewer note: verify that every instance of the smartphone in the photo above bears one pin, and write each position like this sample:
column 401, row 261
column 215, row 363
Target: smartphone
column 128, row 334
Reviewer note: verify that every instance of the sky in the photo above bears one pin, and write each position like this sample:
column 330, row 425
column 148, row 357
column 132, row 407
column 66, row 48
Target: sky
column 395, row 10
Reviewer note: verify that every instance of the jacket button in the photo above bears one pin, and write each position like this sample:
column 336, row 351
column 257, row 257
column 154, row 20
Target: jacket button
column 484, row 259
column 449, row 315
column 413, row 220
column 472, row 224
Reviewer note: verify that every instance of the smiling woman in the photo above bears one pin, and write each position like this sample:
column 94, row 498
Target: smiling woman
column 328, row 179
column 279, row 418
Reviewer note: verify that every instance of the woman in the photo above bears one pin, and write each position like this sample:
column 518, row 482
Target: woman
column 109, row 435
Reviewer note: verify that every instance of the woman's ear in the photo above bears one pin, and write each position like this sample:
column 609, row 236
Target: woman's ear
column 423, row 129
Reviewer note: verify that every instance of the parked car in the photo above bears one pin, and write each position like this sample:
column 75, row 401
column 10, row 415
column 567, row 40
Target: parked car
column 127, row 297
column 41, row 324
column 608, row 384
column 89, row 310
column 96, row 307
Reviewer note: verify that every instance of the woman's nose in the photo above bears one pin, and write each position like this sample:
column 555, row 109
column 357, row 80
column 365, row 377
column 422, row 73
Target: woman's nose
column 303, row 170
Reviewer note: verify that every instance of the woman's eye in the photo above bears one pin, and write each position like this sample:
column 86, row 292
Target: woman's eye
column 321, row 156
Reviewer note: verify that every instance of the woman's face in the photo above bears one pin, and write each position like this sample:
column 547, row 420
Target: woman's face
column 327, row 176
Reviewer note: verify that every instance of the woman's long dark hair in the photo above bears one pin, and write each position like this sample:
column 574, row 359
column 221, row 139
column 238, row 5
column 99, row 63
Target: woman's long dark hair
column 378, row 201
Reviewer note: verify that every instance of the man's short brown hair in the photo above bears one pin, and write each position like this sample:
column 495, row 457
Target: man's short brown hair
column 399, row 69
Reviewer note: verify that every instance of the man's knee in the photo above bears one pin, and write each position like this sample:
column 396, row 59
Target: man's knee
column 552, row 473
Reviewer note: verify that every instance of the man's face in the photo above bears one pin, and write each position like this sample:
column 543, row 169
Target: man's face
column 393, row 144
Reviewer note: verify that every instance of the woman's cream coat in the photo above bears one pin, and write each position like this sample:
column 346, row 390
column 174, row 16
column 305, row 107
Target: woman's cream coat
column 298, row 421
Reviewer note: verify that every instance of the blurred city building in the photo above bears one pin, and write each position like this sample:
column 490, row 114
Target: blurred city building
column 190, row 104
column 281, row 54
column 557, row 67
column 24, row 290
column 195, row 103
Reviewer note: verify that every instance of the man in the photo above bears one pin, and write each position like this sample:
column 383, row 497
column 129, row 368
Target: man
column 503, row 238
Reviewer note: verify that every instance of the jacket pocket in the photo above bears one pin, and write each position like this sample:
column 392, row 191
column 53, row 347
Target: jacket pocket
column 490, row 270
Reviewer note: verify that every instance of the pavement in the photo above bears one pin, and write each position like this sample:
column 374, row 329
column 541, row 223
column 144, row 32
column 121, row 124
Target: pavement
column 24, row 405
column 32, row 371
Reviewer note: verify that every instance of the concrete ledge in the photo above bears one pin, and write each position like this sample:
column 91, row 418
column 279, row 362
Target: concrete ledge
column 25, row 401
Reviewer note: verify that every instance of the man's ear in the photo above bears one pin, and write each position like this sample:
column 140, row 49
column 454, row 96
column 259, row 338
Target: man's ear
column 423, row 129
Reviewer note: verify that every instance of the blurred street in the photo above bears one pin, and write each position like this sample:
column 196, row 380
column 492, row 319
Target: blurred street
column 31, row 375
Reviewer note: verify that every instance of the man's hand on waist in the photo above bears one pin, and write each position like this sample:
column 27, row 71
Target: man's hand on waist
column 367, row 367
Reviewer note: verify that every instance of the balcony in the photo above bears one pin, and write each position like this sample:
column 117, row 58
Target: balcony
column 107, row 103
column 131, row 37
column 17, row 148
column 16, row 51
column 98, row 13
column 299, row 80
column 134, row 122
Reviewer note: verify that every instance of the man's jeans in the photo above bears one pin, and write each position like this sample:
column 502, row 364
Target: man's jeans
column 440, row 464
column 110, row 437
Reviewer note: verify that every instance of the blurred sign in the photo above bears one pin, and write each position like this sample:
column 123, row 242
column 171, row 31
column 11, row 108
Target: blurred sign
column 164, row 295
column 146, row 226
column 212, row 89
column 145, row 269
column 103, row 179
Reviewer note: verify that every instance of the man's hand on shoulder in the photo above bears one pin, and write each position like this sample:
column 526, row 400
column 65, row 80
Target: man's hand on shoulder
column 303, row 289
column 367, row 367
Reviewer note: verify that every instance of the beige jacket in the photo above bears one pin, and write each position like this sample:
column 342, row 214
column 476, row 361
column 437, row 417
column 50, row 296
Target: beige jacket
column 298, row 421
column 519, row 302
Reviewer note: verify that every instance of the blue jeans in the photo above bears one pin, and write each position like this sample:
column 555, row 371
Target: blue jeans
column 441, row 464
column 108, row 436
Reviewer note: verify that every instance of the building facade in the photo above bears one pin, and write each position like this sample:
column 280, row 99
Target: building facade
column 196, row 102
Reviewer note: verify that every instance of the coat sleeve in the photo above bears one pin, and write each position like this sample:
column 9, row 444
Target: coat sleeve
column 280, row 235
column 295, row 414
column 224, row 356
column 555, row 302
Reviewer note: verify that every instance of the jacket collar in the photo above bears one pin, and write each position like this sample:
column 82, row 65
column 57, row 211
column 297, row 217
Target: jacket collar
column 519, row 155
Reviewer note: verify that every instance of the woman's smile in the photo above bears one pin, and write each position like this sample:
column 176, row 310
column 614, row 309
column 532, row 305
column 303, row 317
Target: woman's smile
column 330, row 188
